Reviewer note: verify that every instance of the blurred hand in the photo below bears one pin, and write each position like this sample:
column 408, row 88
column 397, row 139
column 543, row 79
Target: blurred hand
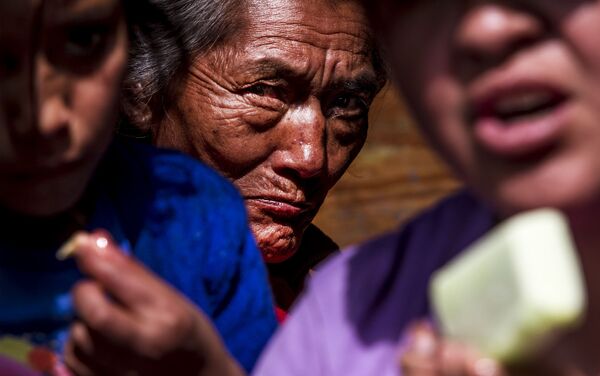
column 132, row 323
column 430, row 355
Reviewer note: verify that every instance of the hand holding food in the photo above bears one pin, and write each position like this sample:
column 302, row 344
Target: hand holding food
column 131, row 322
column 513, row 290
column 501, row 302
column 428, row 354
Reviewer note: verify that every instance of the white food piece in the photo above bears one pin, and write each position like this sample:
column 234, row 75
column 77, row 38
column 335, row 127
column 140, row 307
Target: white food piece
column 514, row 289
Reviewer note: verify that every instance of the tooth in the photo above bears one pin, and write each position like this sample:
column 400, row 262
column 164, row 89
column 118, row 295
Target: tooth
column 521, row 102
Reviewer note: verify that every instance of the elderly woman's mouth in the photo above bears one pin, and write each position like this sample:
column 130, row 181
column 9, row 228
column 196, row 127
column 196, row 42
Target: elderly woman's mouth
column 279, row 207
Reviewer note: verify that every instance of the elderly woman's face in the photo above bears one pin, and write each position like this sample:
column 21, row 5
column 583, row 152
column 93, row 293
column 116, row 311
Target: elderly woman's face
column 60, row 67
column 281, row 111
column 509, row 91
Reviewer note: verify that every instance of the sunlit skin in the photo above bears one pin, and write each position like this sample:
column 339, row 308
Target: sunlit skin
column 509, row 93
column 281, row 110
column 54, row 124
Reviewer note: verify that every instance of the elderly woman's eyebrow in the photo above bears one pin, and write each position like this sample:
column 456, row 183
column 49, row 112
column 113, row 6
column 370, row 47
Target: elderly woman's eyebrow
column 271, row 68
column 366, row 83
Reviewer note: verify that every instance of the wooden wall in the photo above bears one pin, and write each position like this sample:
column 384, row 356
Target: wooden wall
column 395, row 176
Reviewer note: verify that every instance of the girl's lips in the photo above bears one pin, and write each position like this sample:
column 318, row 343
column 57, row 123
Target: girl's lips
column 520, row 122
column 31, row 174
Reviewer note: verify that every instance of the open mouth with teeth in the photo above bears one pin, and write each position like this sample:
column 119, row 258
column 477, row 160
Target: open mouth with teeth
column 524, row 106
column 520, row 106
column 520, row 122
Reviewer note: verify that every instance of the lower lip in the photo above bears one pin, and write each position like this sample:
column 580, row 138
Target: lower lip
column 524, row 137
column 43, row 174
column 277, row 208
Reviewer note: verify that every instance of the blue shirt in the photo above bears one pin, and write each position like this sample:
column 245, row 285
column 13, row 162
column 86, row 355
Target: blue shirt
column 176, row 216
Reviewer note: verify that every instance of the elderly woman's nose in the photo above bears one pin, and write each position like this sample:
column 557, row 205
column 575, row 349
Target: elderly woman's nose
column 302, row 144
column 489, row 31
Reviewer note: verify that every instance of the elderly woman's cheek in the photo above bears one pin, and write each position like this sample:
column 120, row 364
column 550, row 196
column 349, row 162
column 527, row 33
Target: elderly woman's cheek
column 262, row 115
column 348, row 133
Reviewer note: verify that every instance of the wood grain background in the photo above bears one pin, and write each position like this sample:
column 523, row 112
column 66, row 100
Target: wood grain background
column 395, row 176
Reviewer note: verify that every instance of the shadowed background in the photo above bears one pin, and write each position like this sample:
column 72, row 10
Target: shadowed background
column 395, row 176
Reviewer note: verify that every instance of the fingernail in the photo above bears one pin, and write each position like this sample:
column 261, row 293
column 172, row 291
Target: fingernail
column 101, row 243
column 424, row 344
column 69, row 248
column 486, row 367
column 101, row 240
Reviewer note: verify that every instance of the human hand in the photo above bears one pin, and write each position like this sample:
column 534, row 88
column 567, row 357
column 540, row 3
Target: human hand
column 430, row 355
column 132, row 323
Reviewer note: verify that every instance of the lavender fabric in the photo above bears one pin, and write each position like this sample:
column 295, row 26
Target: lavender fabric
column 353, row 316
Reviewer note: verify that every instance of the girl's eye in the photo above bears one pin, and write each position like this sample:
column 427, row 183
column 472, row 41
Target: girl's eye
column 78, row 47
column 85, row 42
column 79, row 38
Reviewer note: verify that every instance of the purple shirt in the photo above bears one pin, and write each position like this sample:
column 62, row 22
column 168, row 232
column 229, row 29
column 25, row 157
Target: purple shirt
column 353, row 315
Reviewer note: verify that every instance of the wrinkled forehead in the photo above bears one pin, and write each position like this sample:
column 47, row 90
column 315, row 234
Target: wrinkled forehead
column 342, row 21
column 326, row 40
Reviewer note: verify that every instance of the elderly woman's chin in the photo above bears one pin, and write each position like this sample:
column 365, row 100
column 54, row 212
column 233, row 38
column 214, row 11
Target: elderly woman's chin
column 277, row 241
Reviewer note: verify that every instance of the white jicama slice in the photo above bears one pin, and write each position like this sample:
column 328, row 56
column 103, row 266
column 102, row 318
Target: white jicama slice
column 513, row 289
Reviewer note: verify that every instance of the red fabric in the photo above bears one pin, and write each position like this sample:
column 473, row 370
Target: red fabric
column 281, row 314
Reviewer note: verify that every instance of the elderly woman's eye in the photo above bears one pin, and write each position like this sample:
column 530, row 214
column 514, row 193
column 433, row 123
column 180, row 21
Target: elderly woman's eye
column 265, row 90
column 348, row 105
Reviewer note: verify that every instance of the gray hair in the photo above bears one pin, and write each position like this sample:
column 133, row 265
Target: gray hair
column 165, row 35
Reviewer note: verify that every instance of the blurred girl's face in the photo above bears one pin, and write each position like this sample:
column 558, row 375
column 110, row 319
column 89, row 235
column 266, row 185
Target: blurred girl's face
column 509, row 91
column 61, row 63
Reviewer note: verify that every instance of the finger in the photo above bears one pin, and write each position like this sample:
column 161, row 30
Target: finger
column 423, row 340
column 420, row 357
column 460, row 360
column 104, row 316
column 72, row 356
column 100, row 356
column 122, row 277
column 485, row 367
column 81, row 354
column 454, row 360
column 108, row 336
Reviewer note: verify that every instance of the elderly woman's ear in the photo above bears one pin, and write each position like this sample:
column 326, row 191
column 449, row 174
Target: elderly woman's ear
column 138, row 113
